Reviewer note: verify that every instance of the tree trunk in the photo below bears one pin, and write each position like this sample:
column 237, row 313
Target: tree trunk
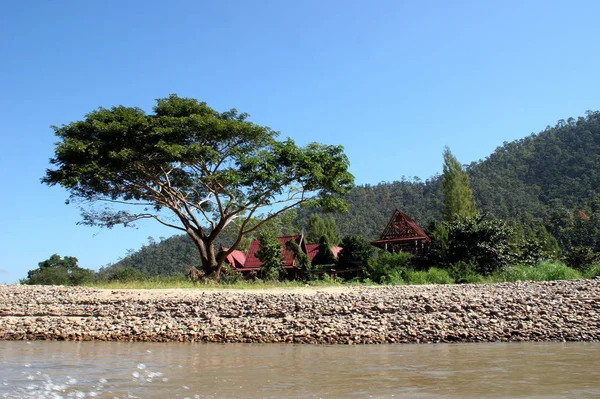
column 210, row 266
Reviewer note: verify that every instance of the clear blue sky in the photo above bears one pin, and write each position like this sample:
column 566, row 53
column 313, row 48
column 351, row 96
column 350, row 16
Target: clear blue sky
column 392, row 81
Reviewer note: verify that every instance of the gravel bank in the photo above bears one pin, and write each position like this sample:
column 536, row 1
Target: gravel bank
column 527, row 311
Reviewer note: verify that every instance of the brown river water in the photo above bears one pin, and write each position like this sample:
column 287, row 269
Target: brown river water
column 43, row 369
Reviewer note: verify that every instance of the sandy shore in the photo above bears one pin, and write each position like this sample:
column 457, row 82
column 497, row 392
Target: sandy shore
column 525, row 311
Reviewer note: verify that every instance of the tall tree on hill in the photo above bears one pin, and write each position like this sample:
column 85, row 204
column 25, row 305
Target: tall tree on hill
column 456, row 189
column 322, row 227
column 191, row 168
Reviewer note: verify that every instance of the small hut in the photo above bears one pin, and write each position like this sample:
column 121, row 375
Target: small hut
column 403, row 234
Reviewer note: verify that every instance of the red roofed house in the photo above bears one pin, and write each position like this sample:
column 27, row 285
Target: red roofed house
column 403, row 234
column 246, row 264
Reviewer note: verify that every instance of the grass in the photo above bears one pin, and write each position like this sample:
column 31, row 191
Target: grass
column 543, row 271
column 170, row 282
column 431, row 276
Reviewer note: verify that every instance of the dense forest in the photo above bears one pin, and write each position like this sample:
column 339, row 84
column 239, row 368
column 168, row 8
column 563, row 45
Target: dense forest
column 549, row 179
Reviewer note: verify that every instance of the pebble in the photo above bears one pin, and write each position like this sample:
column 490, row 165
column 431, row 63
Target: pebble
column 522, row 311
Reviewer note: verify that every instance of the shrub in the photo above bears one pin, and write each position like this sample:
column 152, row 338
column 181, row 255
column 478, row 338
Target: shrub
column 127, row 274
column 542, row 271
column 270, row 255
column 389, row 268
column 593, row 271
column 465, row 273
column 439, row 276
column 230, row 275
column 432, row 276
column 582, row 257
column 487, row 244
column 356, row 251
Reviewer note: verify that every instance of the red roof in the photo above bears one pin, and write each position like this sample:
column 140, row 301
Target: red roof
column 336, row 251
column 253, row 263
column 236, row 259
column 312, row 250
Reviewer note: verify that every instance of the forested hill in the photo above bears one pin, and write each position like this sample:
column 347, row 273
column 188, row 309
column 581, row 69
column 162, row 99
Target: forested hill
column 521, row 181
column 522, row 178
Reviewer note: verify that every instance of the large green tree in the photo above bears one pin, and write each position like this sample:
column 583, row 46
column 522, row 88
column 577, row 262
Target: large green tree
column 456, row 189
column 193, row 169
column 59, row 271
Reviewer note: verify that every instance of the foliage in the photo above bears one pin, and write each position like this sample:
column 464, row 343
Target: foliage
column 302, row 259
column 127, row 274
column 536, row 245
column 356, row 251
column 431, row 276
column 456, row 190
column 465, row 273
column 372, row 205
column 59, row 271
column 319, row 227
column 324, row 255
column 390, row 268
column 230, row 275
column 270, row 254
column 582, row 258
column 543, row 271
column 593, row 271
column 521, row 178
column 206, row 168
column 477, row 241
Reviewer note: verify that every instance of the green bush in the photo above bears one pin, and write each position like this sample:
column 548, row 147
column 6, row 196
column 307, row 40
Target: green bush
column 127, row 274
column 81, row 276
column 465, row 273
column 230, row 275
column 487, row 244
column 432, row 276
column 59, row 271
column 542, row 271
column 389, row 268
column 582, row 257
column 593, row 271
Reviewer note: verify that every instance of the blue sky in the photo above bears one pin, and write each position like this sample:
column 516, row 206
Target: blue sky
column 392, row 81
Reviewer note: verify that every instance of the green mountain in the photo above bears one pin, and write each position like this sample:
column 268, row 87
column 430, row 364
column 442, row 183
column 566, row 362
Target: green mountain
column 525, row 181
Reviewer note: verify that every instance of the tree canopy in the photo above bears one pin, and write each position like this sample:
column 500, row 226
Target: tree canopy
column 193, row 169
column 319, row 227
column 456, row 190
column 57, row 270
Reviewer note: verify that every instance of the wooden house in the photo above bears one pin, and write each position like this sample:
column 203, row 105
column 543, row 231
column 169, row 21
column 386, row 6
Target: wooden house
column 403, row 234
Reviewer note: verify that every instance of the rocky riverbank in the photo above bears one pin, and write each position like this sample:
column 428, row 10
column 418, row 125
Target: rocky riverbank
column 525, row 311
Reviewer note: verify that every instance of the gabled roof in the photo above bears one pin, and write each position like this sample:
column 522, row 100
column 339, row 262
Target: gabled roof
column 400, row 228
column 312, row 250
column 236, row 259
column 253, row 263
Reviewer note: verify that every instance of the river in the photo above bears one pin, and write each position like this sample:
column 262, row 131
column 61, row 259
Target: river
column 45, row 369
